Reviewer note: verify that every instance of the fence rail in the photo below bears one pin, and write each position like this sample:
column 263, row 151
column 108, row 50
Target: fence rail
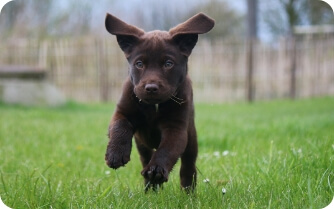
column 90, row 69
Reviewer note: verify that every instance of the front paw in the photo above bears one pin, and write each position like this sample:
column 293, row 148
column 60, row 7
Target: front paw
column 116, row 158
column 155, row 174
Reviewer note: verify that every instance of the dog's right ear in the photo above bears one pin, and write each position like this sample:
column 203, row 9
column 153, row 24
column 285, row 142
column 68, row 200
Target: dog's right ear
column 127, row 35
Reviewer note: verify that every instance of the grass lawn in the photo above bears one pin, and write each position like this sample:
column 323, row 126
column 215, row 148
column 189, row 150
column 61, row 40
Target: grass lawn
column 265, row 155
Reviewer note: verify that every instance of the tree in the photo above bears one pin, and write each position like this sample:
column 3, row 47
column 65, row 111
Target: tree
column 280, row 16
column 318, row 12
column 28, row 18
column 8, row 17
column 229, row 24
column 283, row 15
column 74, row 20
column 41, row 18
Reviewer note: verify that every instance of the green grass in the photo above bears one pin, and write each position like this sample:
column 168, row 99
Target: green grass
column 266, row 155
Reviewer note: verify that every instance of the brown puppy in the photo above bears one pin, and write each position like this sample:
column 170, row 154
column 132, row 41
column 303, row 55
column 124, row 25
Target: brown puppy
column 156, row 106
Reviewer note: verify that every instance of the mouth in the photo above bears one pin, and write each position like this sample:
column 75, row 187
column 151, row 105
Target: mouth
column 172, row 97
column 148, row 97
column 158, row 98
column 150, row 100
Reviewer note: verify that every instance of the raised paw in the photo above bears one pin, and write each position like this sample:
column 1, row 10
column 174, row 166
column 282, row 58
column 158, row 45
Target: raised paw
column 155, row 174
column 116, row 158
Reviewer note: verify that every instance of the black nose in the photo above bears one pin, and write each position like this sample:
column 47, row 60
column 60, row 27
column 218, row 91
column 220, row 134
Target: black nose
column 151, row 88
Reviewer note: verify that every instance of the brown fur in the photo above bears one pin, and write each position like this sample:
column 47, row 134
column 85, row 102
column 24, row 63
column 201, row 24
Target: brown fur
column 156, row 106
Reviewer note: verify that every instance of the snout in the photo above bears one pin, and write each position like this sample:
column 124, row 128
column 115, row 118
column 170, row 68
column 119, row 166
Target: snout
column 153, row 92
column 151, row 88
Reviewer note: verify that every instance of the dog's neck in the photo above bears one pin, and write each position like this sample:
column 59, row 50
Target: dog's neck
column 173, row 98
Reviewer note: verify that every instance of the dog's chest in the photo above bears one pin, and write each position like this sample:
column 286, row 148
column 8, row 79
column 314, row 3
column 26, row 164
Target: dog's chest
column 148, row 126
column 152, row 117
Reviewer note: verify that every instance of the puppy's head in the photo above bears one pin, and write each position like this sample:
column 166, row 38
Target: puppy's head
column 158, row 59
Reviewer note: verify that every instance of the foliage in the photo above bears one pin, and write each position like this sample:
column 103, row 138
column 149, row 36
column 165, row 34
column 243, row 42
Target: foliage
column 230, row 24
column 72, row 17
column 45, row 18
column 282, row 15
column 265, row 155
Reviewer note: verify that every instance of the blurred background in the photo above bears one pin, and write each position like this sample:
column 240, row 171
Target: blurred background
column 258, row 49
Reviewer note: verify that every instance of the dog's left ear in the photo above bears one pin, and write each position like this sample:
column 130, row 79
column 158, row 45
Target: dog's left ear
column 186, row 34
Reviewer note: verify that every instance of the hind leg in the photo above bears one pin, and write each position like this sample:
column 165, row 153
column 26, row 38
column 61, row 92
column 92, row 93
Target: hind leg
column 188, row 172
column 145, row 157
column 144, row 152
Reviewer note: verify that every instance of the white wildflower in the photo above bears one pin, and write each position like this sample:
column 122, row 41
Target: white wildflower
column 216, row 154
column 206, row 180
column 225, row 153
column 204, row 156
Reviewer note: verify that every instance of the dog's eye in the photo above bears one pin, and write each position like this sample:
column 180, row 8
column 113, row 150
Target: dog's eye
column 168, row 64
column 139, row 64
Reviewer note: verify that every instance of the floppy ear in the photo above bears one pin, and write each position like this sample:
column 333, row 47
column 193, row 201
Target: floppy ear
column 127, row 35
column 186, row 34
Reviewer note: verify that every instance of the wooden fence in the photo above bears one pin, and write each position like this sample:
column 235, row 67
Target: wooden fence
column 90, row 69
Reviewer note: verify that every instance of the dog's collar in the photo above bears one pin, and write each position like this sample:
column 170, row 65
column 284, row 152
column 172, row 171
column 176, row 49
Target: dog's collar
column 176, row 99
column 137, row 98
column 140, row 101
column 173, row 98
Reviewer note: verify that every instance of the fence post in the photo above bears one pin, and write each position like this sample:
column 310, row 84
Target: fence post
column 292, row 71
column 103, row 72
column 250, row 70
column 252, row 10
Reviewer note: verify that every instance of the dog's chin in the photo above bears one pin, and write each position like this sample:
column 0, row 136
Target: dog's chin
column 147, row 99
column 153, row 100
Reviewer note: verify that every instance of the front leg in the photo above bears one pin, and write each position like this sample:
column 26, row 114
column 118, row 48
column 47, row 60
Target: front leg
column 172, row 145
column 120, row 142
